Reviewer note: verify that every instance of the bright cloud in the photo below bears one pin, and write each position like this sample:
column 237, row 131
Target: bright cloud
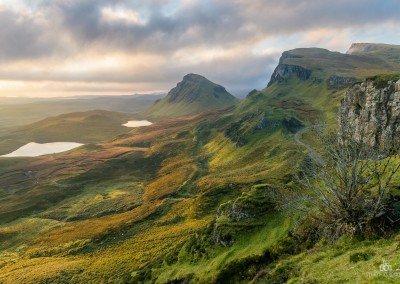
column 64, row 47
column 111, row 14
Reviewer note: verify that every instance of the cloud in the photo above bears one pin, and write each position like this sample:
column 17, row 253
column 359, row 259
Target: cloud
column 25, row 36
column 151, row 44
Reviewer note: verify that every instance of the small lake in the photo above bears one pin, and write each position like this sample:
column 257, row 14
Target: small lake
column 35, row 149
column 137, row 123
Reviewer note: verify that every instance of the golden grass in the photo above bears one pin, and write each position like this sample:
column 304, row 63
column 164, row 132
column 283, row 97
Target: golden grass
column 169, row 183
column 94, row 229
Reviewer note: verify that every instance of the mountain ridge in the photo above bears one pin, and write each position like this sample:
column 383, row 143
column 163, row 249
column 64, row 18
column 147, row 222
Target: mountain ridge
column 194, row 94
column 365, row 47
column 188, row 199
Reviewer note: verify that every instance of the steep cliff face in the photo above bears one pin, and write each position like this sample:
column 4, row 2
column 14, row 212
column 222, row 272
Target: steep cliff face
column 337, row 70
column 372, row 113
column 283, row 72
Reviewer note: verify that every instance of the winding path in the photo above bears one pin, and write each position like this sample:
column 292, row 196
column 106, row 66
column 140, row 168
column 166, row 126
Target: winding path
column 314, row 155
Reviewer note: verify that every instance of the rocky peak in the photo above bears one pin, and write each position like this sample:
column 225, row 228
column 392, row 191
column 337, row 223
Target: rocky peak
column 190, row 89
column 194, row 94
column 372, row 113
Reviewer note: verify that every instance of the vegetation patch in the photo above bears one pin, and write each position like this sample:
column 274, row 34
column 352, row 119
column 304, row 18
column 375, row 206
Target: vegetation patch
column 381, row 80
column 361, row 256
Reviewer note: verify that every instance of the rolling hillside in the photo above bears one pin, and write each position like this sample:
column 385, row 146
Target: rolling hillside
column 82, row 127
column 189, row 199
column 15, row 112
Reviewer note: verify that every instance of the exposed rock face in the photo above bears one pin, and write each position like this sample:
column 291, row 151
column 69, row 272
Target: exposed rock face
column 337, row 82
column 283, row 72
column 372, row 114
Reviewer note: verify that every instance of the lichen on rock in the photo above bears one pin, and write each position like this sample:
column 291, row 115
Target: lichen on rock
column 372, row 113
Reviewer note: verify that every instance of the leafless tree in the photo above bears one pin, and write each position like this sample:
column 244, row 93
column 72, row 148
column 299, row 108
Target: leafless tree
column 348, row 193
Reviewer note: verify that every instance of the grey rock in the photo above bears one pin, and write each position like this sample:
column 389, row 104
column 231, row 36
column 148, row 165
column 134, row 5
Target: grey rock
column 283, row 73
column 373, row 114
column 337, row 82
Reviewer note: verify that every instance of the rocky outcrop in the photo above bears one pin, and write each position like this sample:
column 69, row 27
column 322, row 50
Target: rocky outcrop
column 372, row 114
column 338, row 82
column 283, row 72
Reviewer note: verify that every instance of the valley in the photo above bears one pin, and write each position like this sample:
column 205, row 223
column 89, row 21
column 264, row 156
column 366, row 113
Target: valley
column 194, row 194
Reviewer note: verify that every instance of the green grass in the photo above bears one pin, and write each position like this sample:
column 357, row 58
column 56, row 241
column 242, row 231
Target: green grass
column 24, row 111
column 248, row 244
column 336, row 263
column 326, row 63
column 156, row 200
column 82, row 127
column 381, row 80
column 193, row 95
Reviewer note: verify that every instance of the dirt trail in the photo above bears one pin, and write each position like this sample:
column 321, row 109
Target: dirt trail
column 314, row 155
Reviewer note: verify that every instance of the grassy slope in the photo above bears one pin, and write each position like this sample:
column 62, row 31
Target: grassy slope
column 332, row 263
column 161, row 193
column 325, row 63
column 192, row 98
column 18, row 112
column 83, row 127
column 250, row 243
column 99, row 179
column 310, row 102
column 165, row 183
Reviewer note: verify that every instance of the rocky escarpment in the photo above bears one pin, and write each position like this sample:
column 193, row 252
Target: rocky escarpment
column 372, row 114
column 338, row 82
column 283, row 72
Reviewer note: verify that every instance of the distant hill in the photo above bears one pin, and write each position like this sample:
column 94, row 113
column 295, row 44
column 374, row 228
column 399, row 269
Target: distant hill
column 360, row 61
column 373, row 48
column 194, row 94
column 194, row 199
column 84, row 127
column 23, row 111
column 309, row 83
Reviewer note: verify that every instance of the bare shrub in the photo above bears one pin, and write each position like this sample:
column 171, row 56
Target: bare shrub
column 349, row 192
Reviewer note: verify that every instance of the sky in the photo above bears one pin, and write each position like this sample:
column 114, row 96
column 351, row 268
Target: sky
column 114, row 47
